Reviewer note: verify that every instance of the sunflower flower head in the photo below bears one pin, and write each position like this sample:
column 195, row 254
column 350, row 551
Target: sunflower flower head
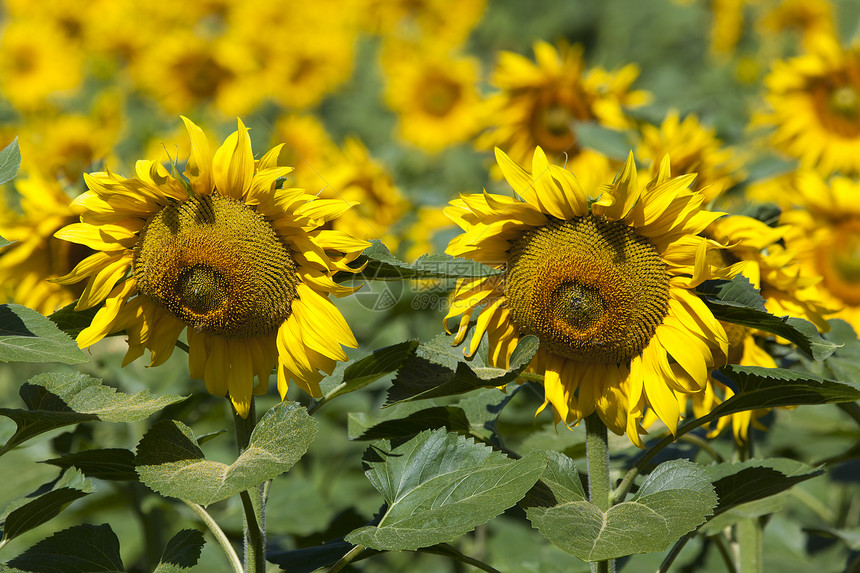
column 603, row 277
column 224, row 253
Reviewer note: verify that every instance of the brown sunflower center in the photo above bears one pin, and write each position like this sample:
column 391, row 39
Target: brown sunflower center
column 439, row 95
column 217, row 265
column 839, row 262
column 837, row 104
column 589, row 289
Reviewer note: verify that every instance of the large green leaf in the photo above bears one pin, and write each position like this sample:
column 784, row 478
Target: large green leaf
column 438, row 486
column 449, row 417
column 359, row 373
column 182, row 552
column 27, row 336
column 79, row 549
column 10, row 161
column 109, row 464
column 673, row 500
column 752, row 488
column 773, row 387
column 170, row 462
column 380, row 264
column 55, row 400
column 25, row 514
column 439, row 369
column 737, row 301
column 72, row 321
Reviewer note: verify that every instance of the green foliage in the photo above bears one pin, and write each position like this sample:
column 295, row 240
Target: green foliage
column 170, row 462
column 115, row 464
column 79, row 549
column 27, row 336
column 42, row 506
column 57, row 400
column 380, row 264
column 10, row 161
column 438, row 486
column 439, row 369
column 738, row 302
column 182, row 552
column 359, row 373
column 673, row 500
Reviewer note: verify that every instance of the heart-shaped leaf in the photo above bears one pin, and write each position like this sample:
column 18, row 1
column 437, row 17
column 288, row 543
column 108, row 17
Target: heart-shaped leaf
column 674, row 499
column 440, row 485
column 170, row 462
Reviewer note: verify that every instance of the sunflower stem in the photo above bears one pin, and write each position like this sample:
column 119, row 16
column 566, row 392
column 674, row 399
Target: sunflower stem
column 219, row 534
column 253, row 500
column 749, row 535
column 346, row 559
column 597, row 456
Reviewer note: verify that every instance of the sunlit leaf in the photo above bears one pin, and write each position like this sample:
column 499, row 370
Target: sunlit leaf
column 27, row 336
column 170, row 462
column 79, row 549
column 55, row 400
column 359, row 373
column 382, row 265
column 673, row 500
column 438, row 486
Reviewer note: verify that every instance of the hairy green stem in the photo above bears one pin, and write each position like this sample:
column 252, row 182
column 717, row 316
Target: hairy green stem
column 346, row 559
column 456, row 554
column 219, row 534
column 253, row 501
column 749, row 535
column 597, row 456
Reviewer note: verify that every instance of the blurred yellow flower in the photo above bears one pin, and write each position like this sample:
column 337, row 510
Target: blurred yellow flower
column 693, row 148
column 244, row 265
column 36, row 255
column 36, row 63
column 815, row 107
column 540, row 102
column 433, row 93
column 425, row 20
column 603, row 277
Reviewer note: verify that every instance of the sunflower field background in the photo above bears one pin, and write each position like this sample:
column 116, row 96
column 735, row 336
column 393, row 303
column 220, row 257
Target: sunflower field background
column 442, row 273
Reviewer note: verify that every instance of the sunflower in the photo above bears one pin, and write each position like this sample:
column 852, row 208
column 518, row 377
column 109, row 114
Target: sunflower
column 35, row 255
column 815, row 101
column 434, row 94
column 540, row 101
column 239, row 261
column 693, row 148
column 825, row 235
column 604, row 282
column 753, row 249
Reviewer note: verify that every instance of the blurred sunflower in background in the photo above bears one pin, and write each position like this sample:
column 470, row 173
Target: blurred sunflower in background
column 36, row 255
column 433, row 92
column 239, row 263
column 814, row 104
column 603, row 277
column 538, row 103
column 754, row 249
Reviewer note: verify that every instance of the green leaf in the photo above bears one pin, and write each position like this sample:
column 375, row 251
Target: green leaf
column 79, row 549
column 27, row 336
column 449, row 417
column 170, row 462
column 10, row 161
column 439, row 486
column 439, row 369
column 359, row 373
column 28, row 513
column 72, row 321
column 737, row 301
column 844, row 364
column 182, row 552
column 673, row 500
column 310, row 559
column 774, row 387
column 849, row 536
column 382, row 265
column 742, row 482
column 5, row 243
column 55, row 400
column 109, row 464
